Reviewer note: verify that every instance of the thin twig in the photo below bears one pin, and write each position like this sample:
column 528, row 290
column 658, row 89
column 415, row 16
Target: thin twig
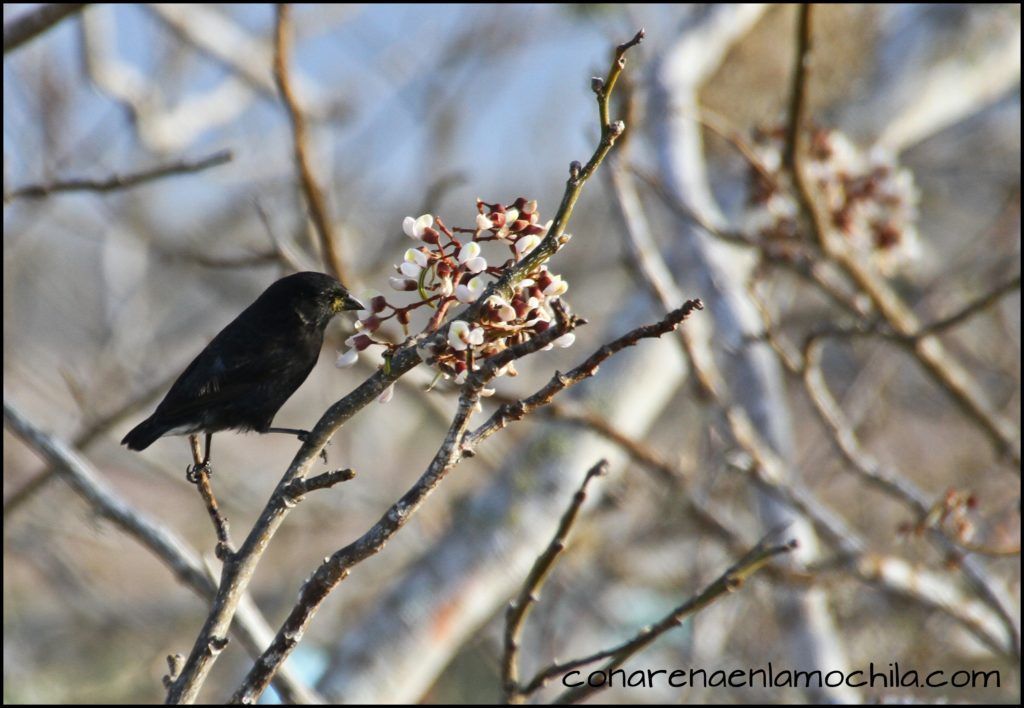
column 519, row 608
column 118, row 182
column 199, row 475
column 798, row 91
column 314, row 195
column 517, row 410
column 34, row 22
column 970, row 309
column 728, row 582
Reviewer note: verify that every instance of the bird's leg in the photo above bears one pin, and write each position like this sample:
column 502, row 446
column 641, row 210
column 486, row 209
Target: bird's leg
column 192, row 471
column 302, row 435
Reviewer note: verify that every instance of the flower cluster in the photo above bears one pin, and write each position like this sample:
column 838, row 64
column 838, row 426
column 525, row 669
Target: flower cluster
column 447, row 267
column 871, row 199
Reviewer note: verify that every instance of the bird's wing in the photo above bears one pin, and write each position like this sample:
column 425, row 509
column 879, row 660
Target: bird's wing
column 223, row 373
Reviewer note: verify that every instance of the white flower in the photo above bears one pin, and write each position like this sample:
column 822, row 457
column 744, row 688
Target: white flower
column 414, row 255
column 414, row 228
column 461, row 335
column 366, row 296
column 483, row 223
column 470, row 257
column 511, row 215
column 470, row 291
column 347, row 359
column 445, row 288
column 525, row 245
column 557, row 287
column 387, row 394
column 565, row 341
column 402, row 284
column 506, row 312
column 461, row 377
column 414, row 262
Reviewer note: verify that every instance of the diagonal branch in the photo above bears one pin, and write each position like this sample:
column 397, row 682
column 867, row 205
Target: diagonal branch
column 183, row 561
column 730, row 581
column 37, row 21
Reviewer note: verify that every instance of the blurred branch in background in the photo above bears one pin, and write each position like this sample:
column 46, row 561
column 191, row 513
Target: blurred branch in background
column 120, row 181
column 314, row 196
column 183, row 561
column 34, row 22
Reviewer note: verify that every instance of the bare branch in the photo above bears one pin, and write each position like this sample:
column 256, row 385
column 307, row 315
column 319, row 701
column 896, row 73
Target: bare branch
column 118, row 182
column 199, row 474
column 314, row 195
column 35, row 22
column 559, row 382
column 728, row 582
column 520, row 607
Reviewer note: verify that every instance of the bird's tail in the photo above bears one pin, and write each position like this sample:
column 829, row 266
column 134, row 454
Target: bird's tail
column 144, row 434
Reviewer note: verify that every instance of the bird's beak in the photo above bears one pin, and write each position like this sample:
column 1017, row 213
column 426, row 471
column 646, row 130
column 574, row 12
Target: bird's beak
column 347, row 303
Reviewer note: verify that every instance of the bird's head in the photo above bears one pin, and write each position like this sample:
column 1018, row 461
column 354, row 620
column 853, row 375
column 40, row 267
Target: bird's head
column 315, row 297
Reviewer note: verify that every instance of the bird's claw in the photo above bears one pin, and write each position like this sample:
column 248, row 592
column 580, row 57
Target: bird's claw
column 194, row 472
column 303, row 436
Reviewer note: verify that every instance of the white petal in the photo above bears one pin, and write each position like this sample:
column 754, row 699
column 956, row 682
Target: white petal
column 347, row 359
column 565, row 340
column 414, row 255
column 476, row 265
column 483, row 223
column 387, row 394
column 410, row 269
column 409, row 227
column 422, row 224
column 469, row 251
column 525, row 245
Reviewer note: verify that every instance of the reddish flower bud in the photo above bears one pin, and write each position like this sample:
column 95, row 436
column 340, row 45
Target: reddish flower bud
column 402, row 316
column 430, row 235
column 443, row 270
column 544, row 280
column 371, row 323
column 361, row 342
column 497, row 218
column 541, row 326
column 533, row 230
column 519, row 225
column 519, row 203
column 378, row 303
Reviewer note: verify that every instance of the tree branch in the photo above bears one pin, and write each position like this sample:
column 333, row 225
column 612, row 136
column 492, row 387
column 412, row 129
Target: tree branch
column 118, row 182
column 519, row 608
column 314, row 195
column 35, row 22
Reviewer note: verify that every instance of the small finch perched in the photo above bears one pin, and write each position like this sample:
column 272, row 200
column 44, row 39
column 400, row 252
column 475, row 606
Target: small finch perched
column 243, row 377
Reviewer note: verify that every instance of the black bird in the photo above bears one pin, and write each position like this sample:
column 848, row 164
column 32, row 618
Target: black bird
column 243, row 377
